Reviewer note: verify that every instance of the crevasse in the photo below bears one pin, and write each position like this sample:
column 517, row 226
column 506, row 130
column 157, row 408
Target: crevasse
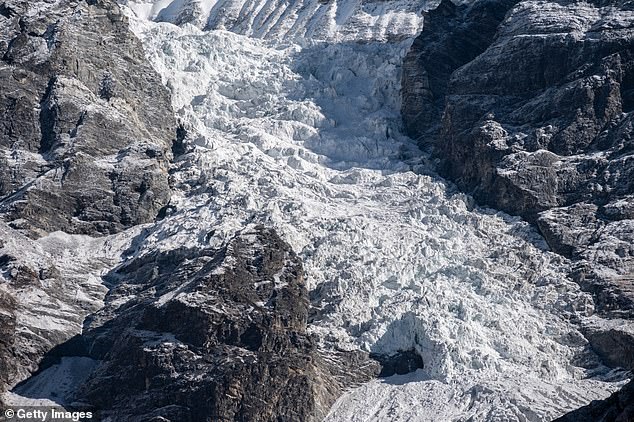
column 293, row 117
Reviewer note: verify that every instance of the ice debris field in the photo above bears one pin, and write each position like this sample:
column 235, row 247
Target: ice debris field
column 292, row 110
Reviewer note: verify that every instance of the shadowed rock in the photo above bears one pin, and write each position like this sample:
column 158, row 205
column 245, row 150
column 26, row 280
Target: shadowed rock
column 400, row 363
column 86, row 129
column 214, row 334
column 528, row 106
column 619, row 407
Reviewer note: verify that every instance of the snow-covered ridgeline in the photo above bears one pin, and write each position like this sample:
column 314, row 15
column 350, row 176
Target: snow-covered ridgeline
column 305, row 137
column 297, row 20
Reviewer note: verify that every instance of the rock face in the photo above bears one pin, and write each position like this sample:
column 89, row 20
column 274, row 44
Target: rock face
column 214, row 334
column 619, row 407
column 614, row 343
column 86, row 126
column 528, row 105
column 86, row 129
column 47, row 288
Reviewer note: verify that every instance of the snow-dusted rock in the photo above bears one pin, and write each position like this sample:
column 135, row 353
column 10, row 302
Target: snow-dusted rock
column 47, row 288
column 305, row 137
column 220, row 333
column 85, row 138
column 529, row 106
column 617, row 408
column 87, row 126
column 536, row 105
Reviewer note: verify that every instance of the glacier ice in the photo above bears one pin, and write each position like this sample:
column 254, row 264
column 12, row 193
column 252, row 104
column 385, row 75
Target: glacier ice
column 292, row 110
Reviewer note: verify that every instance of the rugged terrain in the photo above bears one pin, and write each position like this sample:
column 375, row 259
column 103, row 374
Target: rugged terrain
column 89, row 134
column 87, row 126
column 528, row 106
column 275, row 246
column 85, row 141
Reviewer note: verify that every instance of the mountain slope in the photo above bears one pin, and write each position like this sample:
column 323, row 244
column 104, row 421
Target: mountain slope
column 290, row 159
column 306, row 138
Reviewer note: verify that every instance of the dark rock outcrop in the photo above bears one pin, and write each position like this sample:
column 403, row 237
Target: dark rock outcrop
column 213, row 334
column 528, row 106
column 87, row 126
column 452, row 37
column 86, row 131
column 619, row 407
column 7, row 341
column 86, row 137
column 614, row 344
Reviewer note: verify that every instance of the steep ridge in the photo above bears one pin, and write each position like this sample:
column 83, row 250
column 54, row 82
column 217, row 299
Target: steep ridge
column 537, row 121
column 77, row 154
column 71, row 70
column 220, row 333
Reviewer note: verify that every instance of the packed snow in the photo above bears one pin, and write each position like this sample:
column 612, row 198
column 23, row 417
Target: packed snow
column 55, row 385
column 341, row 20
column 292, row 110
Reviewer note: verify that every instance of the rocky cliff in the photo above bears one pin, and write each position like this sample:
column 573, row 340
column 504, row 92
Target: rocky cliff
column 87, row 126
column 214, row 334
column 529, row 106
column 204, row 313
column 85, row 140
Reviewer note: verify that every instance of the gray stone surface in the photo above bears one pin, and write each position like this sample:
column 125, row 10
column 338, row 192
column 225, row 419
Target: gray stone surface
column 528, row 106
column 87, row 127
column 47, row 288
column 86, row 131
column 214, row 334
column 86, row 138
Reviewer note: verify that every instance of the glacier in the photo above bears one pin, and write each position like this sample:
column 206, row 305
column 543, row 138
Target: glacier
column 292, row 113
